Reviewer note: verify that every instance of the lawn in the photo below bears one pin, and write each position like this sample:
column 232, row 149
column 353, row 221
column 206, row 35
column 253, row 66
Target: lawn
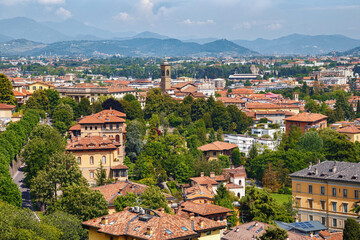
column 281, row 198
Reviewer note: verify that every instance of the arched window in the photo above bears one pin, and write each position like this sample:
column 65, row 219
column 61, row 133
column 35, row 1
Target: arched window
column 79, row 160
column 91, row 160
column 103, row 159
column 117, row 138
column 91, row 174
column 238, row 195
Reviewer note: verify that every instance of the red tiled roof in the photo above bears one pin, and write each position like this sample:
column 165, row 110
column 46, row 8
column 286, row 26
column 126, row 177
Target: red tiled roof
column 76, row 127
column 306, row 117
column 6, row 106
column 349, row 129
column 120, row 166
column 203, row 209
column 217, row 146
column 90, row 143
column 105, row 116
column 17, row 93
column 204, row 180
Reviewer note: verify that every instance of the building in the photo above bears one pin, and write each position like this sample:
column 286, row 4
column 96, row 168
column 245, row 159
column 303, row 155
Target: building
column 333, row 80
column 207, row 88
column 236, row 179
column 245, row 142
column 351, row 131
column 32, row 87
column 239, row 77
column 212, row 150
column 305, row 121
column 326, row 192
column 138, row 223
column 263, row 107
column 261, row 130
column 273, row 116
column 86, row 90
column 100, row 138
column 165, row 76
column 6, row 111
column 220, row 83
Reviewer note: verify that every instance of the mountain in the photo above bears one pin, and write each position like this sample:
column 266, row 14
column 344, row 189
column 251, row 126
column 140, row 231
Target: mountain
column 353, row 52
column 300, row 44
column 20, row 27
column 4, row 38
column 79, row 30
column 130, row 47
column 148, row 34
column 19, row 47
column 225, row 46
column 200, row 40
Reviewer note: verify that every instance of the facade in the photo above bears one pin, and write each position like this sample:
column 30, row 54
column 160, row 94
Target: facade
column 100, row 138
column 207, row 88
column 212, row 151
column 245, row 142
column 256, row 107
column 220, row 83
column 137, row 223
column 88, row 91
column 32, row 87
column 333, row 80
column 236, row 179
column 306, row 121
column 165, row 76
column 6, row 111
column 274, row 116
column 260, row 131
column 351, row 131
column 326, row 192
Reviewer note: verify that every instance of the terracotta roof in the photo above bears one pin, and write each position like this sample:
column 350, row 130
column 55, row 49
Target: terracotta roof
column 105, row 116
column 236, row 172
column 242, row 91
column 76, row 127
column 233, row 186
column 198, row 191
column 349, row 129
column 120, row 166
column 163, row 225
column 121, row 89
column 217, row 146
column 6, row 106
column 204, row 180
column 90, row 143
column 256, row 105
column 17, row 93
column 230, row 100
column 203, row 209
column 306, row 117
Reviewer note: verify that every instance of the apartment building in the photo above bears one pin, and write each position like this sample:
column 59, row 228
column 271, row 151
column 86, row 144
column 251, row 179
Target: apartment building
column 245, row 142
column 306, row 121
column 327, row 192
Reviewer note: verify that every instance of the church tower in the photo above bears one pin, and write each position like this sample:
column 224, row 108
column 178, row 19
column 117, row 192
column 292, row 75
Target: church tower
column 165, row 76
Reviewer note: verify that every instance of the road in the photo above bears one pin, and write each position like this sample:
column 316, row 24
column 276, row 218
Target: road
column 19, row 177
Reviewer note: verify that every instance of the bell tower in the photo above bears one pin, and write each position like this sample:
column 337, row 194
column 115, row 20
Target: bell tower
column 165, row 76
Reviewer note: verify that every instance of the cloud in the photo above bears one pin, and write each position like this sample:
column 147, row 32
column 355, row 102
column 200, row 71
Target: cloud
column 123, row 16
column 12, row 2
column 192, row 23
column 274, row 26
column 63, row 13
column 51, row 1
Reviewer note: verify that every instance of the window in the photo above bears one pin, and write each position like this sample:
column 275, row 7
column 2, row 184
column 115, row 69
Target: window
column 345, row 207
column 334, row 205
column 41, row 87
column 356, row 194
column 323, row 221
column 208, row 232
column 91, row 174
column 214, row 153
column 95, row 127
column 334, row 192
column 310, row 203
column 334, row 222
column 298, row 202
column 298, row 188
column 85, row 128
column 322, row 190
column 322, row 203
column 90, row 127
column 79, row 160
column 310, row 189
column 103, row 159
column 91, row 160
column 111, row 126
column 34, row 88
column 117, row 126
column 345, row 193
column 311, row 218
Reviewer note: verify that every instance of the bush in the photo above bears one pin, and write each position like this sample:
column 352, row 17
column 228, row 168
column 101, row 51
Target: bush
column 285, row 190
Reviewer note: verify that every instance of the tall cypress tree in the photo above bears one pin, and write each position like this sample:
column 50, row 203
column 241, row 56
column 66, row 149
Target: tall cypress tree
column 6, row 92
column 351, row 230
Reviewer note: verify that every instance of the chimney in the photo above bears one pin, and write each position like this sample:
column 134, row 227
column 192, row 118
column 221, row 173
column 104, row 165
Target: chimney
column 310, row 165
column 201, row 174
column 201, row 223
column 212, row 174
column 191, row 215
column 334, row 169
column 316, row 171
column 110, row 108
column 318, row 161
column 105, row 220
column 149, row 231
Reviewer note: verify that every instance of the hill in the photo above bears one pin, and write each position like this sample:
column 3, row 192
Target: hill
column 148, row 34
column 300, row 44
column 19, row 47
column 4, row 38
column 130, row 47
column 25, row 28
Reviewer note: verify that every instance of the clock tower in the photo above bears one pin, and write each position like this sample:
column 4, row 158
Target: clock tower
column 165, row 76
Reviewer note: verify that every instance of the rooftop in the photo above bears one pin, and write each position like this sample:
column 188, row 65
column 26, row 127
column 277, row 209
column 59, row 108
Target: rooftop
column 217, row 146
column 307, row 117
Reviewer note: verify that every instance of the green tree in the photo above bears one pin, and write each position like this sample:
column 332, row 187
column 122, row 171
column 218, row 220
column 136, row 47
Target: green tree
column 224, row 161
column 54, row 98
column 312, row 106
column 62, row 114
column 83, row 108
column 82, row 202
column 69, row 225
column 236, row 157
column 38, row 100
column 153, row 198
column 129, row 200
column 220, row 116
column 274, row 233
column 9, row 191
column 351, row 229
column 198, row 109
column 225, row 198
column 310, row 141
column 6, row 92
column 212, row 137
column 100, row 175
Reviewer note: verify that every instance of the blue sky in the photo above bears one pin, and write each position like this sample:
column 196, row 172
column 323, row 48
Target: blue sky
column 231, row 19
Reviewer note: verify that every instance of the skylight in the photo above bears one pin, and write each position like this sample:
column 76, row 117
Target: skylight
column 184, row 228
column 168, row 231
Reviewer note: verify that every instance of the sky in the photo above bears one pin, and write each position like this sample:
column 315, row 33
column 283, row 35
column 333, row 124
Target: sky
column 186, row 19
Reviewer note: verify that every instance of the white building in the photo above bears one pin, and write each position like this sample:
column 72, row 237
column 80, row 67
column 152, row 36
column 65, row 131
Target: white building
column 245, row 142
column 333, row 80
column 207, row 88
column 265, row 130
column 237, row 180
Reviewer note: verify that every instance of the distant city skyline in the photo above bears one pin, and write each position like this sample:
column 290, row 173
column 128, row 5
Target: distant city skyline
column 185, row 19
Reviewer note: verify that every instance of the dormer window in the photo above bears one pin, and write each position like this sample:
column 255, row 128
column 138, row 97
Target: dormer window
column 91, row 145
column 78, row 145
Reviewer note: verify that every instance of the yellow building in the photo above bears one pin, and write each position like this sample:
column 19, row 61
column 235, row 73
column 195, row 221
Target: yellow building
column 351, row 131
column 212, row 150
column 137, row 223
column 326, row 192
column 6, row 111
column 257, row 106
column 32, row 87
column 100, row 138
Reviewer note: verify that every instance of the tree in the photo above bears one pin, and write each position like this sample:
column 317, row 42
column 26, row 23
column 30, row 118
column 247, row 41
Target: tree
column 38, row 100
column 84, row 108
column 312, row 106
column 220, row 116
column 310, row 141
column 69, row 225
column 274, row 233
column 153, row 198
column 225, row 198
column 53, row 97
column 198, row 109
column 129, row 200
column 82, row 202
column 358, row 109
column 113, row 104
column 62, row 114
column 6, row 91
column 129, row 97
column 269, row 179
column 236, row 157
column 9, row 191
column 212, row 137
column 100, row 175
column 351, row 229
column 224, row 161
column 72, row 103
column 260, row 206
